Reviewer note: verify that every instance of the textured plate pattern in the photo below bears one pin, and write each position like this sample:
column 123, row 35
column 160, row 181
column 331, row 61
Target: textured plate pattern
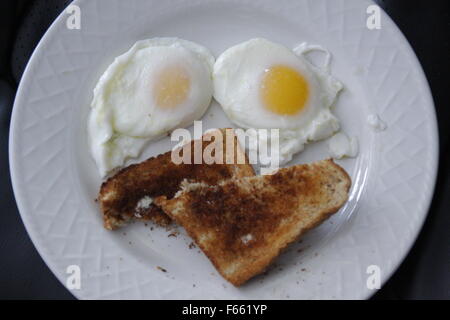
column 52, row 173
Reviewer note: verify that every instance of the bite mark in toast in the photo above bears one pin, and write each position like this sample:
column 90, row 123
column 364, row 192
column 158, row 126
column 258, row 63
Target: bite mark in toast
column 129, row 193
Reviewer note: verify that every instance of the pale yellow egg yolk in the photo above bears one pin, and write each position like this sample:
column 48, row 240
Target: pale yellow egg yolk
column 172, row 86
column 284, row 90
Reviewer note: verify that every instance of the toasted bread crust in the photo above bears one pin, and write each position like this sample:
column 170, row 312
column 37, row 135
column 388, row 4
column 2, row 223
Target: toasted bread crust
column 243, row 224
column 159, row 176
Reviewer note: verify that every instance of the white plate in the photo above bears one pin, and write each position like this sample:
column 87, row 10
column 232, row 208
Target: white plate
column 55, row 180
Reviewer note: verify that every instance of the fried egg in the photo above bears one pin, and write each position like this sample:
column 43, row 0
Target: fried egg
column 158, row 85
column 264, row 85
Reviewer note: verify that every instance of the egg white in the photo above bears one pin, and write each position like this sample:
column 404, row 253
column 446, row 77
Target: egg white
column 125, row 115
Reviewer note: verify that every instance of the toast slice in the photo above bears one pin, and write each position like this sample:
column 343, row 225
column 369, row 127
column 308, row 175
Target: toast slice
column 129, row 194
column 243, row 224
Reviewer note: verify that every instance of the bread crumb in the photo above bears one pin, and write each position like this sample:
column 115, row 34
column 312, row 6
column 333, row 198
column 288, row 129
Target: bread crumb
column 161, row 269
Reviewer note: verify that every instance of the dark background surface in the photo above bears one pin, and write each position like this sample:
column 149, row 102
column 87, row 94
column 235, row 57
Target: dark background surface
column 424, row 274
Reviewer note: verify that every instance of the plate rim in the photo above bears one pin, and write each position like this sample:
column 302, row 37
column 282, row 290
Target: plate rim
column 14, row 158
column 435, row 148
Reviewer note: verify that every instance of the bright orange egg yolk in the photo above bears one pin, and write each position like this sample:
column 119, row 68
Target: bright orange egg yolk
column 284, row 90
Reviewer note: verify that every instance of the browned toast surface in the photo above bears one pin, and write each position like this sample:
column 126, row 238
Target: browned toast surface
column 125, row 195
column 242, row 224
